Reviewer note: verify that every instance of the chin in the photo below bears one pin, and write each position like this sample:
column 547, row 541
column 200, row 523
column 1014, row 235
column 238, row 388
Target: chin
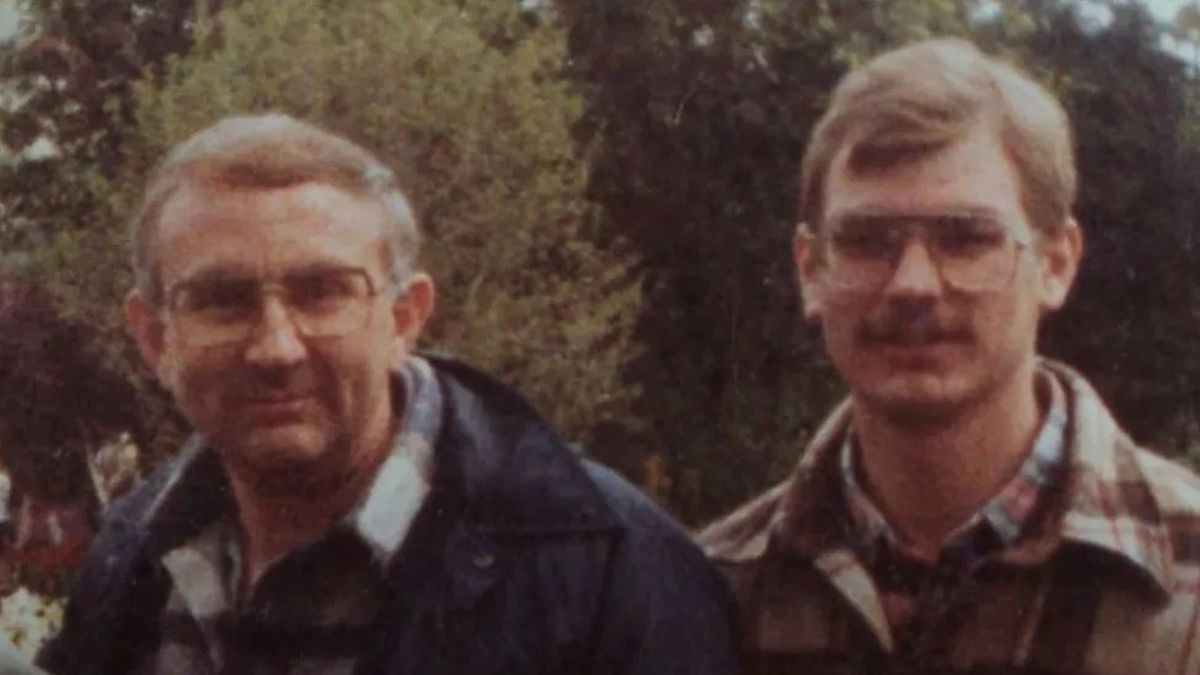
column 918, row 412
column 919, row 399
column 284, row 449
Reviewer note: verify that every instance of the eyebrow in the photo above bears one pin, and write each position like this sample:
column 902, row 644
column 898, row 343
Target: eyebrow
column 227, row 272
column 213, row 273
column 322, row 268
column 972, row 211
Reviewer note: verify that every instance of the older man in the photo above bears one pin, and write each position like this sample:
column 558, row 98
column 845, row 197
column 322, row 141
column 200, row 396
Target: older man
column 971, row 507
column 348, row 506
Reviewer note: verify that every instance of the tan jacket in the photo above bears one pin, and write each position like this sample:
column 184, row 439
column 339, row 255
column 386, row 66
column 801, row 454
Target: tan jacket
column 1109, row 583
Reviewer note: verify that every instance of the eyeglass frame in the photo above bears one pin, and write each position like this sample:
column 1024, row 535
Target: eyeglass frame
column 276, row 284
column 822, row 237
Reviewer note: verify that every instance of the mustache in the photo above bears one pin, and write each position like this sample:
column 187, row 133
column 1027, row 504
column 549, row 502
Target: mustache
column 913, row 327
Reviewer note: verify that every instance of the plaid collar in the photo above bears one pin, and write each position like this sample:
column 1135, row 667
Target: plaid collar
column 381, row 518
column 1006, row 516
column 1109, row 502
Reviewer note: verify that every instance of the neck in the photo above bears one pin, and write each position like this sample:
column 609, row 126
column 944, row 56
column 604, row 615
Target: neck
column 930, row 478
column 273, row 525
column 280, row 514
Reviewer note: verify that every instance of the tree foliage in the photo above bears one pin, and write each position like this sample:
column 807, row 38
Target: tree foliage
column 1132, row 323
column 58, row 398
column 677, row 132
column 468, row 105
column 65, row 112
column 701, row 110
column 67, row 104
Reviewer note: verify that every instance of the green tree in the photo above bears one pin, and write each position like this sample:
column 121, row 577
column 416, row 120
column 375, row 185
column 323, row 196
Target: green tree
column 67, row 96
column 57, row 398
column 467, row 104
column 65, row 108
column 1132, row 323
column 1186, row 28
column 700, row 110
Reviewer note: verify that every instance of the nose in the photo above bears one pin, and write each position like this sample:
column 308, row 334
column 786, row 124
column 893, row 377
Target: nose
column 276, row 342
column 916, row 273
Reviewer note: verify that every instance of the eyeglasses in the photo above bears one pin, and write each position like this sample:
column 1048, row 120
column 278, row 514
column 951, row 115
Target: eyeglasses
column 973, row 253
column 321, row 302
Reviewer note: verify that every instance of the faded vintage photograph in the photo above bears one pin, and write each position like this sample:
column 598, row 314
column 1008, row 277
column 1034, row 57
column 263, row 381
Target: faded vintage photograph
column 623, row 337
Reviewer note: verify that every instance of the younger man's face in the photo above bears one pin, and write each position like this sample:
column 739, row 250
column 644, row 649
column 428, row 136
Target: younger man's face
column 922, row 343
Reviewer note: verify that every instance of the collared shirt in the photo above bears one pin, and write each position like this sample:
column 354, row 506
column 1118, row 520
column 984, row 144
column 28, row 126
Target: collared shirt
column 313, row 610
column 1105, row 582
column 905, row 583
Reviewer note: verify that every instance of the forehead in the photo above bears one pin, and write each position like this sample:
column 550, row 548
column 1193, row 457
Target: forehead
column 971, row 174
column 259, row 231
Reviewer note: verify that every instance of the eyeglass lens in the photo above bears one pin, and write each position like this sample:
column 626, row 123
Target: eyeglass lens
column 320, row 302
column 971, row 252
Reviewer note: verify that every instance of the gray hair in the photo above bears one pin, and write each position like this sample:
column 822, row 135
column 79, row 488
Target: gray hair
column 271, row 151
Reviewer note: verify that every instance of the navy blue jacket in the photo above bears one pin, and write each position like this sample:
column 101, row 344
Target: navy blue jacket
column 524, row 559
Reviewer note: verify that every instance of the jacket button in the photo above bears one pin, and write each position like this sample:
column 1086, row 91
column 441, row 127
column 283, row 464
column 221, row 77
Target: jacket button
column 483, row 560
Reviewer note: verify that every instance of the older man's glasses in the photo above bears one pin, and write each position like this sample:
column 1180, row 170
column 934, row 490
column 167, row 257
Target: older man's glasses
column 321, row 303
column 973, row 253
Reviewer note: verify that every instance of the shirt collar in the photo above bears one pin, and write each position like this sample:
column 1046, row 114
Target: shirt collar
column 1113, row 499
column 1008, row 514
column 1118, row 498
column 383, row 516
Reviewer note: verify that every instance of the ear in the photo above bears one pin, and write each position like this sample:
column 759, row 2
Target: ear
column 808, row 272
column 410, row 310
column 147, row 329
column 1059, row 258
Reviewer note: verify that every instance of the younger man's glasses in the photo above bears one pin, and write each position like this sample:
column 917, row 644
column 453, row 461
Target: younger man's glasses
column 973, row 253
column 322, row 302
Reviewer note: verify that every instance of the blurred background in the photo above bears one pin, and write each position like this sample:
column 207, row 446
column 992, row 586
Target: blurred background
column 608, row 188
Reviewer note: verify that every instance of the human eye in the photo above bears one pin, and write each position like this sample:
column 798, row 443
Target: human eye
column 968, row 236
column 322, row 290
column 862, row 240
column 219, row 299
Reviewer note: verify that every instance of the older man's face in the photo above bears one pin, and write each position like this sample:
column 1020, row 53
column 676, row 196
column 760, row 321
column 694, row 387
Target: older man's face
column 278, row 332
column 933, row 284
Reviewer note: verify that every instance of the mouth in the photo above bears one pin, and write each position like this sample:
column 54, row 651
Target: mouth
column 916, row 353
column 912, row 336
column 275, row 406
column 914, row 345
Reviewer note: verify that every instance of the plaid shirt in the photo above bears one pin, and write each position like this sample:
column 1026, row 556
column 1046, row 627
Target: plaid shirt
column 1102, row 577
column 313, row 611
column 909, row 587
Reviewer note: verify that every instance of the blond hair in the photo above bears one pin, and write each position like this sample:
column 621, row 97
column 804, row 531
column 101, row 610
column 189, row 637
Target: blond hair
column 266, row 152
column 922, row 97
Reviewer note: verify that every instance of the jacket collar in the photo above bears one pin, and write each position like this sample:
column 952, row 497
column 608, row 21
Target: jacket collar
column 192, row 491
column 514, row 474
column 501, row 474
column 1109, row 504
column 495, row 456
column 812, row 515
